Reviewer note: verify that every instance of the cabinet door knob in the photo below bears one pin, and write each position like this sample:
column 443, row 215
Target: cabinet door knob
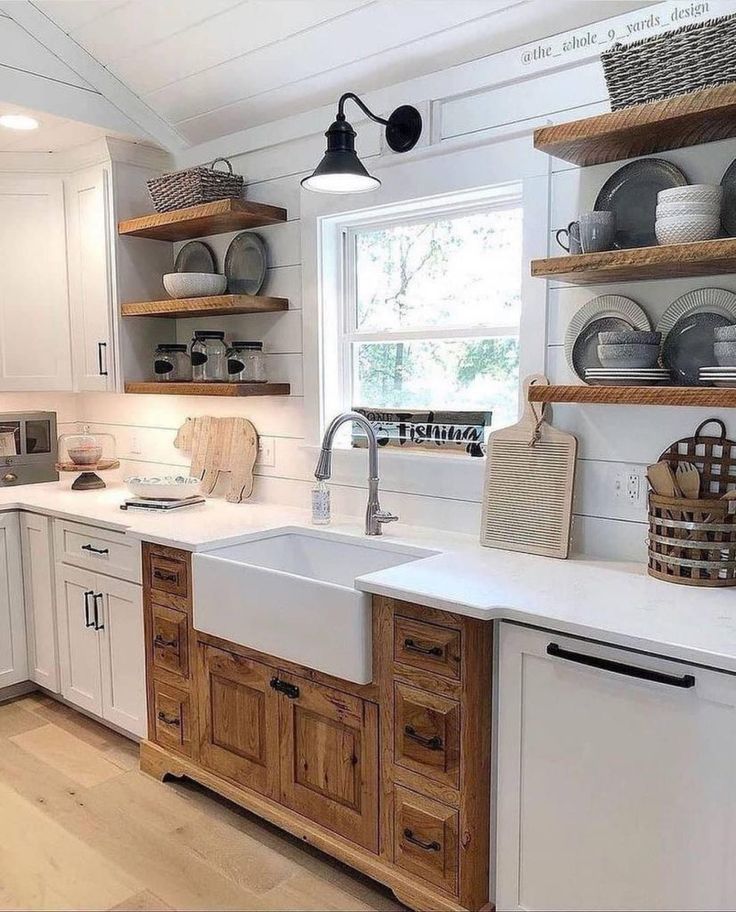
column 433, row 846
column 412, row 646
column 433, row 744
column 10, row 477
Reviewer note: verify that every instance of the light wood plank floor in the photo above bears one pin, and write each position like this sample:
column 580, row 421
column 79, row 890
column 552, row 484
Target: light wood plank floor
column 82, row 828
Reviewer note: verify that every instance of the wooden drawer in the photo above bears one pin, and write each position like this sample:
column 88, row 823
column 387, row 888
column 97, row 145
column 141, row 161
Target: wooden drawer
column 101, row 550
column 426, row 839
column 428, row 647
column 427, row 734
column 166, row 572
column 172, row 718
column 169, row 640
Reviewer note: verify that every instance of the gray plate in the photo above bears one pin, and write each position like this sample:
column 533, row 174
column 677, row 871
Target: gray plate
column 585, row 349
column 246, row 263
column 689, row 346
column 728, row 206
column 195, row 256
column 631, row 193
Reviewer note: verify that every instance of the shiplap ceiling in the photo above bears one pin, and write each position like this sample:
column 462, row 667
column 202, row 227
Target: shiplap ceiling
column 213, row 67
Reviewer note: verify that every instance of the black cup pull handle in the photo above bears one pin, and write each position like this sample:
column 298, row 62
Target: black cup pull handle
column 87, row 622
column 164, row 576
column 434, row 743
column 98, row 625
column 95, row 550
column 102, row 348
column 168, row 720
column 433, row 846
column 631, row 671
column 158, row 640
column 413, row 646
column 284, row 687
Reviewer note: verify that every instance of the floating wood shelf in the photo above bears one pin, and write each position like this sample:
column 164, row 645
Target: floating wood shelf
column 686, row 120
column 213, row 306
column 705, row 396
column 201, row 221
column 673, row 261
column 207, row 389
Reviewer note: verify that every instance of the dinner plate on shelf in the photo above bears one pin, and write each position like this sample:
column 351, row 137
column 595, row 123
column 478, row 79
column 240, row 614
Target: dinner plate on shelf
column 246, row 263
column 195, row 256
column 601, row 314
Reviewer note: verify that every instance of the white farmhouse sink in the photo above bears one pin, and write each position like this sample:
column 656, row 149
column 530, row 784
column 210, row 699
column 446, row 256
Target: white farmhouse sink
column 290, row 593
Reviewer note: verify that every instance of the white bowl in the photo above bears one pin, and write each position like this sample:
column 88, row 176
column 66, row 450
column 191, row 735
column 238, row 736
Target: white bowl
column 194, row 284
column 688, row 207
column 705, row 193
column 167, row 487
column 684, row 229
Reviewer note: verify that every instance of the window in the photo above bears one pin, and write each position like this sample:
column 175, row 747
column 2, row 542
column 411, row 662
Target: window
column 431, row 308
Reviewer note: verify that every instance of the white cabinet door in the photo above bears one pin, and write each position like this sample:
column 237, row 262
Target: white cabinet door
column 90, row 282
column 614, row 791
column 79, row 642
column 38, row 585
column 35, row 351
column 13, row 649
column 123, row 655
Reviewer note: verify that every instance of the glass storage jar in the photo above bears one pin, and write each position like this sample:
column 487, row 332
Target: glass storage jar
column 246, row 362
column 171, row 363
column 209, row 356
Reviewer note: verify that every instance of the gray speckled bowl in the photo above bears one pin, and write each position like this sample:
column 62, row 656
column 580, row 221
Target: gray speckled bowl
column 725, row 333
column 631, row 355
column 630, row 337
column 725, row 353
column 194, row 284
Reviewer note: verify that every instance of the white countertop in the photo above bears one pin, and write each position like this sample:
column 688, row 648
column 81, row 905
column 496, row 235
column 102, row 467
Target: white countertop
column 604, row 600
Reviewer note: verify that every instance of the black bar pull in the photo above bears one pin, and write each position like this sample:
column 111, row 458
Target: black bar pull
column 98, row 625
column 433, row 846
column 434, row 743
column 424, row 650
column 165, row 576
column 284, row 687
column 95, row 550
column 631, row 671
column 158, row 640
column 100, row 363
column 168, row 720
column 87, row 622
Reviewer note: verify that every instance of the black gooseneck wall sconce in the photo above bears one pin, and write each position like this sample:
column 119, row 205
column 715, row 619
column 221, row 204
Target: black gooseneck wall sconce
column 341, row 171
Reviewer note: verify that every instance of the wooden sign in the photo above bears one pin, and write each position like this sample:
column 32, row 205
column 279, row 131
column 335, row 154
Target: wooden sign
column 426, row 429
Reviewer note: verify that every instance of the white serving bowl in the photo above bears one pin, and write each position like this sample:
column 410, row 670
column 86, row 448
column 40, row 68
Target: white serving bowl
column 684, row 229
column 687, row 207
column 704, row 193
column 167, row 487
column 194, row 284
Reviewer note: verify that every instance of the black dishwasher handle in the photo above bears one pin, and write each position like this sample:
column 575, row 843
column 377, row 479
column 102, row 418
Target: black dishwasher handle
column 631, row 671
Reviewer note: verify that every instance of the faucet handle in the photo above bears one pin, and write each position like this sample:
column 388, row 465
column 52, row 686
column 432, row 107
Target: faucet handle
column 383, row 516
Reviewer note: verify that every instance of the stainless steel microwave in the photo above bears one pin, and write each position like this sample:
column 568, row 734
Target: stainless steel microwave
column 28, row 448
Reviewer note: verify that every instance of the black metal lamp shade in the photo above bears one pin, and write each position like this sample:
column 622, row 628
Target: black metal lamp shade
column 340, row 170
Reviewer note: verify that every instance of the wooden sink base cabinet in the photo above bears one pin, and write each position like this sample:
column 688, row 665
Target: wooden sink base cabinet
column 392, row 778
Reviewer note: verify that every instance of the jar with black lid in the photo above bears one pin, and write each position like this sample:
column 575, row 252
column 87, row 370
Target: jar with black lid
column 171, row 363
column 209, row 356
column 246, row 362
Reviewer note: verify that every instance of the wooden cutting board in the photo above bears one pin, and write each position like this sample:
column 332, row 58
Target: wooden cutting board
column 221, row 445
column 527, row 497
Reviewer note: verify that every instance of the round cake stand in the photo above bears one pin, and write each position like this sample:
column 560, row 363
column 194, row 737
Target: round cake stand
column 88, row 480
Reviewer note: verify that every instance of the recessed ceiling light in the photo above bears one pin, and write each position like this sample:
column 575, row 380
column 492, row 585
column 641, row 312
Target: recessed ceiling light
column 19, row 122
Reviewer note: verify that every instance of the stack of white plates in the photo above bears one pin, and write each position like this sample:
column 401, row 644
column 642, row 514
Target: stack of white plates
column 718, row 376
column 626, row 376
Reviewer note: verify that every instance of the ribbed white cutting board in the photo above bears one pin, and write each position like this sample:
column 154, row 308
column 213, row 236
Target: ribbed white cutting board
column 527, row 497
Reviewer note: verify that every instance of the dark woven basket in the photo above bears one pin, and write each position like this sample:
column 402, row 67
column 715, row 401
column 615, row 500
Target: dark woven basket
column 675, row 63
column 194, row 186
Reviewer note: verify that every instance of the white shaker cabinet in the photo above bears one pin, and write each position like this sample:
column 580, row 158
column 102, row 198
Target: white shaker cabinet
column 40, row 603
column 615, row 778
column 35, row 351
column 79, row 646
column 13, row 651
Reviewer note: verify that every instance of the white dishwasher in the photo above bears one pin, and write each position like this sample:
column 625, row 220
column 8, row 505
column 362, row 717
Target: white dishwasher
column 616, row 778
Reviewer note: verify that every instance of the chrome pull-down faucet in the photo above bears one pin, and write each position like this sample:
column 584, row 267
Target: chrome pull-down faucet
column 375, row 517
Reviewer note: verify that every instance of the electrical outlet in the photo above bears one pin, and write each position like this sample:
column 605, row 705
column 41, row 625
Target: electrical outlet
column 266, row 451
column 629, row 486
column 134, row 444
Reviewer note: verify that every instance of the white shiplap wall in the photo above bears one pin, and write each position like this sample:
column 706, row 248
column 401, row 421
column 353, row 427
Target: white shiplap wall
column 499, row 99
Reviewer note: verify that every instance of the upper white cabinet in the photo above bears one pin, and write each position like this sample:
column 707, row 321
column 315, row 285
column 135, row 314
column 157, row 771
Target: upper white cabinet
column 34, row 305
column 615, row 785
column 13, row 652
column 38, row 582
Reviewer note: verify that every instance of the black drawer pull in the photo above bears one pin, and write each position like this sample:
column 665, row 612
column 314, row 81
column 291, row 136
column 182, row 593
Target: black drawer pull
column 158, row 640
column 168, row 720
column 87, row 622
column 101, row 346
column 631, row 671
column 289, row 690
column 95, row 550
column 433, row 846
column 434, row 743
column 165, row 576
column 424, row 650
column 98, row 625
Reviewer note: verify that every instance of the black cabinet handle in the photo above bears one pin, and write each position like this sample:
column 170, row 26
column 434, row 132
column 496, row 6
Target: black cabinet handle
column 165, row 576
column 158, row 640
column 424, row 650
column 168, row 720
column 289, row 690
column 631, row 671
column 87, row 622
column 95, row 550
column 433, row 846
column 98, row 626
column 101, row 346
column 434, row 743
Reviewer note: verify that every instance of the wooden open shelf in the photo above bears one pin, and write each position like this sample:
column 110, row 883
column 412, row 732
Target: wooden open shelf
column 213, row 306
column 672, row 261
column 201, row 221
column 207, row 389
column 686, row 120
column 704, row 396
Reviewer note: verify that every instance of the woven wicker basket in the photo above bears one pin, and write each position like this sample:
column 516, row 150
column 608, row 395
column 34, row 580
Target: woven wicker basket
column 194, row 186
column 675, row 63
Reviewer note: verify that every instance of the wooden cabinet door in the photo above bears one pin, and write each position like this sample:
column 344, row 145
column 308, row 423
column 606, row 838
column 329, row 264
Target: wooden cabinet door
column 122, row 644
column 13, row 650
column 79, row 642
column 38, row 586
column 238, row 712
column 329, row 758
